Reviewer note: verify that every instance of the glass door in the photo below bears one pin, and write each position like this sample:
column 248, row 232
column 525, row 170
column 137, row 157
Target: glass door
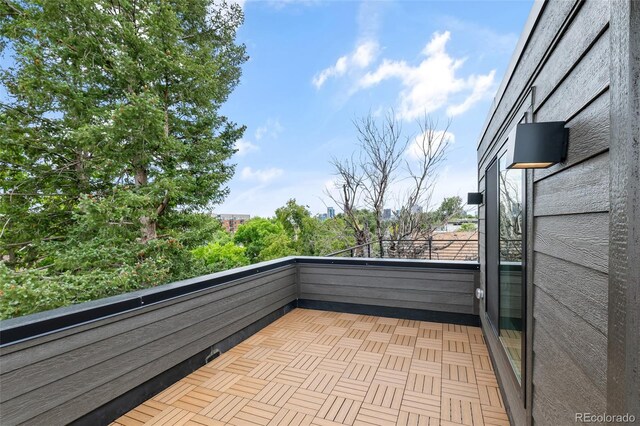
column 511, row 278
column 504, row 259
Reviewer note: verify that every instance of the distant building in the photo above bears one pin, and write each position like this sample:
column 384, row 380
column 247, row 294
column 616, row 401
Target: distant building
column 331, row 212
column 230, row 222
column 416, row 209
column 386, row 214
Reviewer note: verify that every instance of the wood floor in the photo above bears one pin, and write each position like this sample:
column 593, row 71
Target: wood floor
column 327, row 368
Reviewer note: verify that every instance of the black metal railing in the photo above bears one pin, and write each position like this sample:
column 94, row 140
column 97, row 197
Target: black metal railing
column 432, row 248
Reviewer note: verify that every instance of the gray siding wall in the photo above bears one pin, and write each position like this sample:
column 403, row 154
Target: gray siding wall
column 57, row 378
column 414, row 288
column 562, row 74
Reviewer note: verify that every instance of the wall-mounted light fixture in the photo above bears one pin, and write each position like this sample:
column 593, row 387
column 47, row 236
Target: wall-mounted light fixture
column 474, row 198
column 537, row 145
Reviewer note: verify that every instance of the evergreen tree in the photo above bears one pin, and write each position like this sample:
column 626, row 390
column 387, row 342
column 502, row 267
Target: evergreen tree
column 115, row 102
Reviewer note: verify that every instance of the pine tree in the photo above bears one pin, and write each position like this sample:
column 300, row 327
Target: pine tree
column 116, row 102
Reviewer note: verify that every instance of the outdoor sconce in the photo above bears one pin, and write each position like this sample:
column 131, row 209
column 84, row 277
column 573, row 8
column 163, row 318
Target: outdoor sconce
column 474, row 198
column 537, row 145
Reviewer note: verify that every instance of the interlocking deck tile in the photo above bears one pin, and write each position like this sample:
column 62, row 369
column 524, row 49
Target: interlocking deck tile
column 328, row 368
column 339, row 410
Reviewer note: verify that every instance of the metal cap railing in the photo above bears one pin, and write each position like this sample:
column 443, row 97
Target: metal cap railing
column 432, row 248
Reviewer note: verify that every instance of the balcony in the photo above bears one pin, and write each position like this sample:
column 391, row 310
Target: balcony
column 292, row 341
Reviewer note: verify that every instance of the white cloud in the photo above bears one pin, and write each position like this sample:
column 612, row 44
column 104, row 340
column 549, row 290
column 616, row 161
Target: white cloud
column 482, row 85
column 244, row 147
column 416, row 147
column 429, row 85
column 261, row 175
column 361, row 57
column 272, row 128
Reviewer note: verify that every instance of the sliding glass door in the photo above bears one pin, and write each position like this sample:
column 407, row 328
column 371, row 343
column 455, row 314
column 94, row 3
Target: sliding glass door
column 504, row 245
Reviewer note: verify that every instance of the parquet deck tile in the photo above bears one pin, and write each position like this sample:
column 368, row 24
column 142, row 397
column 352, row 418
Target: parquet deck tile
column 306, row 401
column 377, row 347
column 350, row 388
column 384, row 328
column 408, row 330
column 427, row 354
column 328, row 339
column 384, row 395
column 341, row 353
column 328, row 368
column 421, row 403
column 333, row 365
column 339, row 410
column 224, row 407
column 413, row 419
column 403, row 339
column 254, row 413
column 362, row 324
column 247, row 387
column 349, row 342
column 291, row 376
column 357, row 333
column 368, row 358
column 378, row 336
column 424, row 384
column 360, row 372
column 321, row 381
column 291, row 418
column 282, row 357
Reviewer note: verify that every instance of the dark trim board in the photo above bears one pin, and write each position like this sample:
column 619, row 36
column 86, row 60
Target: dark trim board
column 403, row 263
column 391, row 312
column 136, row 396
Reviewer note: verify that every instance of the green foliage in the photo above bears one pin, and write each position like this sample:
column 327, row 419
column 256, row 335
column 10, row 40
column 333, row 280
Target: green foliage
column 110, row 140
column 331, row 235
column 468, row 227
column 451, row 207
column 264, row 239
column 114, row 101
column 220, row 257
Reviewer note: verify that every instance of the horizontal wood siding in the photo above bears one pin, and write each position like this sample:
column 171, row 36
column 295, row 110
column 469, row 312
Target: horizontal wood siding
column 566, row 66
column 427, row 289
column 59, row 380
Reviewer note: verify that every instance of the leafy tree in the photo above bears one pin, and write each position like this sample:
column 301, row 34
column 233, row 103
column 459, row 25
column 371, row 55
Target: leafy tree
column 293, row 218
column 451, row 207
column 331, row 235
column 300, row 227
column 220, row 257
column 468, row 227
column 263, row 239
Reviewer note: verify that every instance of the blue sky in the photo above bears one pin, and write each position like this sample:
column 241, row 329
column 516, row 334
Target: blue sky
column 315, row 66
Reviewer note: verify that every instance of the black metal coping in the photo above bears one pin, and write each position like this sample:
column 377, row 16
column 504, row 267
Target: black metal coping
column 22, row 328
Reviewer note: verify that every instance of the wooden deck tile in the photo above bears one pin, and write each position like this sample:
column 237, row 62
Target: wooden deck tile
column 329, row 368
column 339, row 410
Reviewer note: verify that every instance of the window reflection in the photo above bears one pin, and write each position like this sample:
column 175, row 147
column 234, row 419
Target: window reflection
column 511, row 222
